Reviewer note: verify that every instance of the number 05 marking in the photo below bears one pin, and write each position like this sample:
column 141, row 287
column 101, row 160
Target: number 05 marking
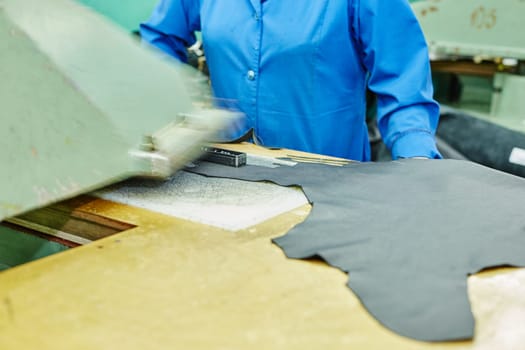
column 483, row 18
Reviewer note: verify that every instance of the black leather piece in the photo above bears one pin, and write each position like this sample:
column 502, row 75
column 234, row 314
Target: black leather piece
column 408, row 233
column 481, row 141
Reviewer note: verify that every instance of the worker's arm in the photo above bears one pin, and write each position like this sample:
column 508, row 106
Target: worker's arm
column 395, row 54
column 172, row 26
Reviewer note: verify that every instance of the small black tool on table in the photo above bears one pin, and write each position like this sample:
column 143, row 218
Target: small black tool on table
column 223, row 156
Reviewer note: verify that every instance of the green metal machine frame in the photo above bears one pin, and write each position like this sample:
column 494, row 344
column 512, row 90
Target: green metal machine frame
column 82, row 105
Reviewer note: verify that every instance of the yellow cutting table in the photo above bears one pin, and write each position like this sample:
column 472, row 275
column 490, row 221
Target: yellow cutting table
column 169, row 283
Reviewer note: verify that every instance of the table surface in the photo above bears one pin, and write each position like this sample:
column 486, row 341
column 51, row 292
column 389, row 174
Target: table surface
column 171, row 283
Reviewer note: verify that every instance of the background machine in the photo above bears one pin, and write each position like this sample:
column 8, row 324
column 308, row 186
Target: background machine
column 478, row 56
column 478, row 63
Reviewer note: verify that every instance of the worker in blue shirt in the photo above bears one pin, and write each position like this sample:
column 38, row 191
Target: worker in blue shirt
column 299, row 69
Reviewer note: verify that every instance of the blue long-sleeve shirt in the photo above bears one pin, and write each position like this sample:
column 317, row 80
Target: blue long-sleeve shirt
column 299, row 69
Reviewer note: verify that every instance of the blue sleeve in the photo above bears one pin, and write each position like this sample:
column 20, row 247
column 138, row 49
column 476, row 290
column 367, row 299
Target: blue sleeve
column 395, row 54
column 172, row 26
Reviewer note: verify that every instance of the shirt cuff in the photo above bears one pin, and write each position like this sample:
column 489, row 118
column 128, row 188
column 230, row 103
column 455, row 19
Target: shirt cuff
column 415, row 144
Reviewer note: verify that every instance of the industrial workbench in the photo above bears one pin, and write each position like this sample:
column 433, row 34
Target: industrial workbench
column 170, row 283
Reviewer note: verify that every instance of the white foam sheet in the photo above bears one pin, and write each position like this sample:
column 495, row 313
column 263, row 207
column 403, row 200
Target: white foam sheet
column 226, row 203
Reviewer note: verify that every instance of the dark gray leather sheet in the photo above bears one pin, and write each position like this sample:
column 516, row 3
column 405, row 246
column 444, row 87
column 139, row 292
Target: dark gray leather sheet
column 408, row 233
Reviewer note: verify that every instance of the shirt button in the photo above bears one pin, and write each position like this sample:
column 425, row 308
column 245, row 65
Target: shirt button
column 251, row 75
column 256, row 16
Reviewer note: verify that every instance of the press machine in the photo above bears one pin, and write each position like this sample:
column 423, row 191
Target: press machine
column 84, row 105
